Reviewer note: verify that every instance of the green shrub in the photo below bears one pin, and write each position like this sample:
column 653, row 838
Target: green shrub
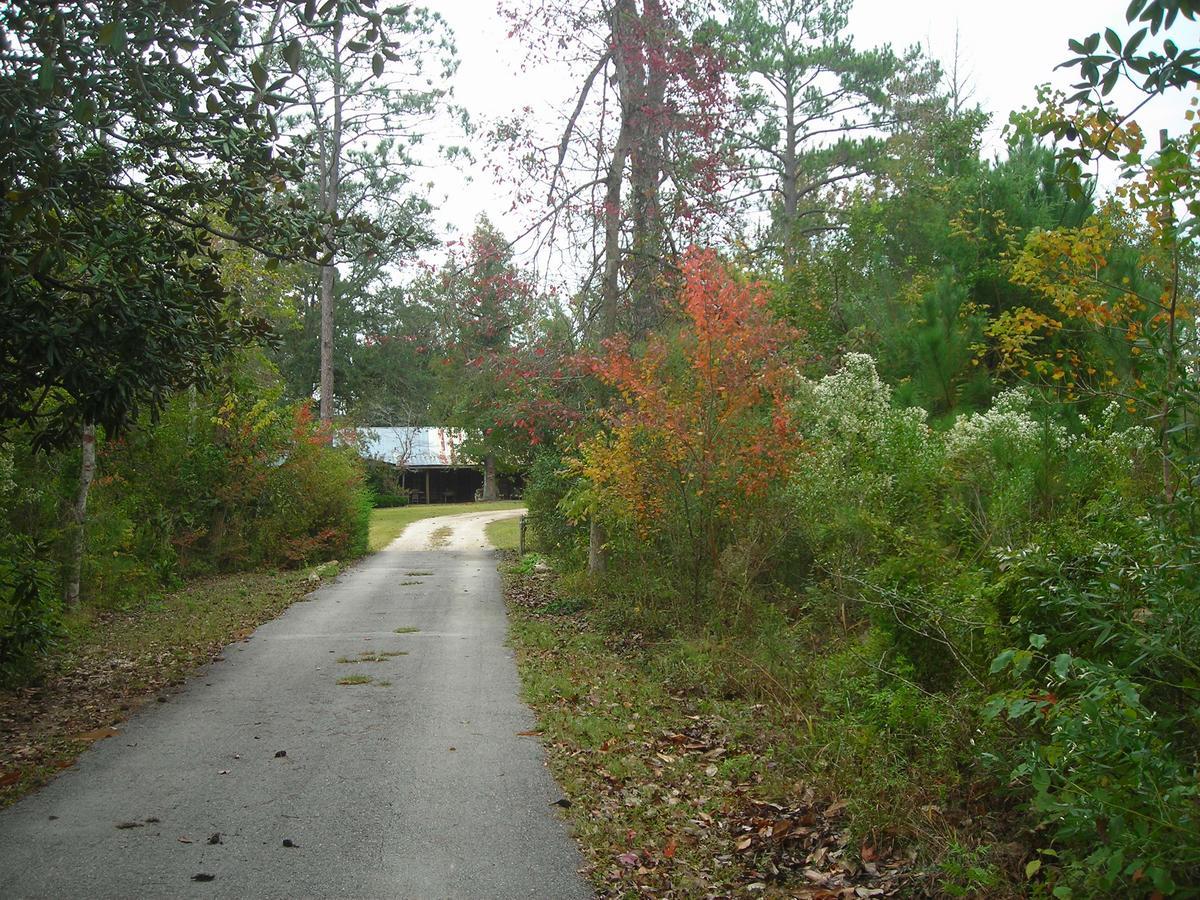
column 1016, row 527
column 389, row 501
column 1105, row 689
column 29, row 600
column 29, row 607
column 545, row 489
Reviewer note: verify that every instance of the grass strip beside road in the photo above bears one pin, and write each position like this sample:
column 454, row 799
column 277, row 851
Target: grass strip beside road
column 387, row 524
column 672, row 791
column 505, row 534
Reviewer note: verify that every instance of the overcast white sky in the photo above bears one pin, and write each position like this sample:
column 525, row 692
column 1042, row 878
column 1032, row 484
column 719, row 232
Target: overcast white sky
column 1007, row 50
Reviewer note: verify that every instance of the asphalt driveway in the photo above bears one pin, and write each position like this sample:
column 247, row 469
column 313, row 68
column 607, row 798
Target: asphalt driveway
column 266, row 777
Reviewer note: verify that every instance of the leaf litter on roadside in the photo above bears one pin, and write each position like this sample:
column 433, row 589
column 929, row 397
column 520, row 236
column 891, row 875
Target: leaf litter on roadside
column 661, row 797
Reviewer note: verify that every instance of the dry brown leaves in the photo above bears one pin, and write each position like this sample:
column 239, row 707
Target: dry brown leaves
column 663, row 803
column 532, row 592
column 804, row 845
column 44, row 727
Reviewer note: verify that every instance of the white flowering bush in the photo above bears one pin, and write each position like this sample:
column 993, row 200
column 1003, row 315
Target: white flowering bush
column 868, row 460
column 853, row 401
column 850, row 416
column 1009, row 427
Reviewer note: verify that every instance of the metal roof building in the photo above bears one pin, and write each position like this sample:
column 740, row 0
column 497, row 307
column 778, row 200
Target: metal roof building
column 416, row 447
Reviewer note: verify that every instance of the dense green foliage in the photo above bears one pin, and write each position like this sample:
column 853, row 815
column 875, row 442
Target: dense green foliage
column 133, row 137
column 156, row 219
column 977, row 576
column 228, row 480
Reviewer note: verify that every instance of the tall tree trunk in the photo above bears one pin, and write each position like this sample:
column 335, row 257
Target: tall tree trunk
column 490, row 491
column 87, row 472
column 647, row 84
column 623, row 20
column 332, row 182
column 791, row 176
column 328, row 284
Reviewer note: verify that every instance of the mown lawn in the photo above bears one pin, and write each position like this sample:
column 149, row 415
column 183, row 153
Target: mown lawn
column 386, row 524
column 505, row 534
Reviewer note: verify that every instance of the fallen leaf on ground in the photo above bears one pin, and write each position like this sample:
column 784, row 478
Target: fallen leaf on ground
column 96, row 734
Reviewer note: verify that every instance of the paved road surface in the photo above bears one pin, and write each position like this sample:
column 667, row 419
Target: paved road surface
column 423, row 788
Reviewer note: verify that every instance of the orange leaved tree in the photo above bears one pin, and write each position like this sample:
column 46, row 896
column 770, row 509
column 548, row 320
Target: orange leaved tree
column 698, row 434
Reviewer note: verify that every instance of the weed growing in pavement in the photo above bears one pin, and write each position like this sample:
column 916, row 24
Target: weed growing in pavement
column 373, row 656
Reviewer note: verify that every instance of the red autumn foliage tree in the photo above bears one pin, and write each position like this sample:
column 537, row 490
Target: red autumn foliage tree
column 636, row 168
column 501, row 377
column 700, row 433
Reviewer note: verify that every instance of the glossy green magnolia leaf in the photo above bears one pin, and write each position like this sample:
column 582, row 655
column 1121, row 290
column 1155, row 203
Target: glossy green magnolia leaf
column 1001, row 662
column 1110, row 78
column 1062, row 664
column 1134, row 42
column 291, row 54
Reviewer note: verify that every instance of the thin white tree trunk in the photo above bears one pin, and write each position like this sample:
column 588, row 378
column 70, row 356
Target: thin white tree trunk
column 332, row 180
column 87, row 472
